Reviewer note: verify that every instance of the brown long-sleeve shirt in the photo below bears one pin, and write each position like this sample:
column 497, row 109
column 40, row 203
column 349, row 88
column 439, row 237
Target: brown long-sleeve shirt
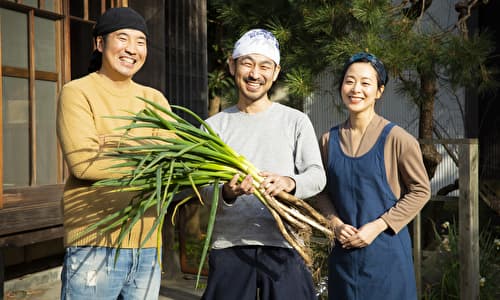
column 405, row 170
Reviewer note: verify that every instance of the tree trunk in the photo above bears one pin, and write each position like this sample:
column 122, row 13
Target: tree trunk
column 430, row 155
column 214, row 105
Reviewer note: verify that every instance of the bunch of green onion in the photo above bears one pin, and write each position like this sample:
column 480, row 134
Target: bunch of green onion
column 183, row 159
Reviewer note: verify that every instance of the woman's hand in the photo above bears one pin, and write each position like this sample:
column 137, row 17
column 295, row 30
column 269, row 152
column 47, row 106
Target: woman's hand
column 343, row 232
column 365, row 235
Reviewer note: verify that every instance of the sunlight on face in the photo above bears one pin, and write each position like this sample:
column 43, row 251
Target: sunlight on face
column 359, row 88
column 123, row 53
column 254, row 75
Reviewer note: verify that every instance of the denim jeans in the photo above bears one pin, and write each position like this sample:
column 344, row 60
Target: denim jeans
column 90, row 273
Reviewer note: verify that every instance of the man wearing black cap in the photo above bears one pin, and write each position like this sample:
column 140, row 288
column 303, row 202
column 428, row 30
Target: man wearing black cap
column 86, row 133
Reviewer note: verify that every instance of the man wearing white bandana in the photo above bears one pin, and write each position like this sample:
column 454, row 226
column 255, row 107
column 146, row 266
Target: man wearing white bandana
column 249, row 256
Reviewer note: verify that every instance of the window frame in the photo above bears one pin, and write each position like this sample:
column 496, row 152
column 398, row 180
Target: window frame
column 31, row 74
column 14, row 197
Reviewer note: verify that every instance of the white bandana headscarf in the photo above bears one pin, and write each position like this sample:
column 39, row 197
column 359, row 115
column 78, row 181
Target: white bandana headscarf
column 258, row 41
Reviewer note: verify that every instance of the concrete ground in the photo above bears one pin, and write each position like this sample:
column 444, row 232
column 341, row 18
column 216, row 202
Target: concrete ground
column 46, row 285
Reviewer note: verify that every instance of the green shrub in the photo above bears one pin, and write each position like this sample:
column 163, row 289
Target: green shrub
column 441, row 268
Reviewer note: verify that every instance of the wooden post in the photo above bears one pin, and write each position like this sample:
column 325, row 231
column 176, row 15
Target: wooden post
column 2, row 272
column 417, row 253
column 468, row 220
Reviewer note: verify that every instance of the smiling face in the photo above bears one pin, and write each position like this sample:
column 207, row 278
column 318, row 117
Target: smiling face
column 254, row 75
column 360, row 89
column 123, row 53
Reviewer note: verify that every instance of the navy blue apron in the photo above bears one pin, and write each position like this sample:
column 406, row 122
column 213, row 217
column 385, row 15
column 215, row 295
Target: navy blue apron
column 360, row 191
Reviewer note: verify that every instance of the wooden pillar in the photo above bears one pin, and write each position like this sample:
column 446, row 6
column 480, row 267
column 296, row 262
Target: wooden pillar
column 417, row 253
column 2, row 273
column 468, row 220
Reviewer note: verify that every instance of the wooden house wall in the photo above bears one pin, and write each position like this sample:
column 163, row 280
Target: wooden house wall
column 177, row 51
column 176, row 65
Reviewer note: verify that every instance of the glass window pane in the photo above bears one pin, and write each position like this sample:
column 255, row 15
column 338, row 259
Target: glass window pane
column 15, row 108
column 33, row 3
column 49, row 5
column 45, row 45
column 76, row 8
column 46, row 142
column 14, row 38
column 81, row 48
column 94, row 10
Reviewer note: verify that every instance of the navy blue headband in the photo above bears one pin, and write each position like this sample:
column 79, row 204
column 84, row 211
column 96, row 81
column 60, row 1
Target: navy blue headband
column 374, row 61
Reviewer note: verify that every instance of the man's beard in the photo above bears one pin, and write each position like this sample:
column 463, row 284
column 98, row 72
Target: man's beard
column 253, row 96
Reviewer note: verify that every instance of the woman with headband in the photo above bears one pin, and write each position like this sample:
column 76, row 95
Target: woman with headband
column 377, row 183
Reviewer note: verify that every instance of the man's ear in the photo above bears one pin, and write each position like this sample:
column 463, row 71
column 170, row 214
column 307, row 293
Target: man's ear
column 99, row 43
column 232, row 65
column 276, row 72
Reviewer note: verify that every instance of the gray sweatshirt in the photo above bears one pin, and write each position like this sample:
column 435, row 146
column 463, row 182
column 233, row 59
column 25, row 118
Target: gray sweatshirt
column 279, row 140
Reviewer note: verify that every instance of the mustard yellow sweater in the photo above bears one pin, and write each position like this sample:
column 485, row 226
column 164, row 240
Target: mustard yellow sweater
column 85, row 134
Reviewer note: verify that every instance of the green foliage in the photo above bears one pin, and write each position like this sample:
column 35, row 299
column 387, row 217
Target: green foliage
column 371, row 13
column 300, row 81
column 471, row 72
column 220, row 84
column 422, row 54
column 441, row 269
column 319, row 35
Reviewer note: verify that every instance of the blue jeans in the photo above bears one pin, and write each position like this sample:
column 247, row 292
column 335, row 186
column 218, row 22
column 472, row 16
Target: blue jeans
column 90, row 273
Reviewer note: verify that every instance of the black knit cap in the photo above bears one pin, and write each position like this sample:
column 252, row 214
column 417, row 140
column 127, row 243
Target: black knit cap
column 119, row 18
